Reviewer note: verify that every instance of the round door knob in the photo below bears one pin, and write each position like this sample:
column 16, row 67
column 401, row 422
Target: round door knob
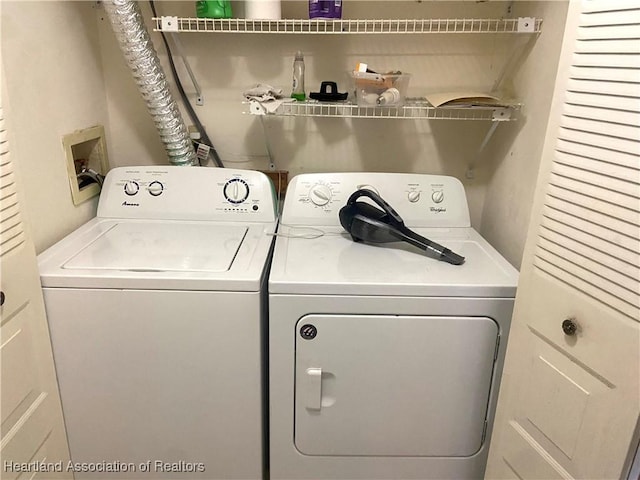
column 2, row 298
column 569, row 327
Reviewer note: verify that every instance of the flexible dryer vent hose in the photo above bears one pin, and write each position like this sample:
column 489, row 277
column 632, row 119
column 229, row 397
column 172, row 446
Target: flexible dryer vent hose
column 134, row 40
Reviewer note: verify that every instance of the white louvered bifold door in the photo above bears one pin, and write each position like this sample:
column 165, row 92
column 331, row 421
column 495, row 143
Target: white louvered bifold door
column 32, row 424
column 570, row 400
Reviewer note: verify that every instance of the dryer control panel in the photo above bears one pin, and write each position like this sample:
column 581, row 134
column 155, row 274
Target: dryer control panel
column 421, row 200
column 187, row 193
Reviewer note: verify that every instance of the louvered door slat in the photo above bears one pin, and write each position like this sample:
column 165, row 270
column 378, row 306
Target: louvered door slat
column 602, row 141
column 620, row 7
column 8, row 188
column 623, row 259
column 619, row 192
column 610, row 18
column 610, row 129
column 550, row 267
column 11, row 238
column 586, row 183
column 612, row 163
column 624, row 241
column 589, row 258
column 10, row 219
column 622, row 89
column 595, row 205
column 601, row 74
column 606, row 60
column 593, row 216
column 605, row 46
column 7, row 202
column 610, row 102
column 605, row 32
column 599, row 273
column 620, row 205
column 11, row 229
column 6, row 168
column 603, row 114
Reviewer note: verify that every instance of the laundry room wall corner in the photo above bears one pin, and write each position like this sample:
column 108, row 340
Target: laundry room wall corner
column 52, row 77
column 513, row 155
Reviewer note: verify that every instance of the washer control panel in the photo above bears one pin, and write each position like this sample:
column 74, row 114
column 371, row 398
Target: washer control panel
column 187, row 193
column 421, row 200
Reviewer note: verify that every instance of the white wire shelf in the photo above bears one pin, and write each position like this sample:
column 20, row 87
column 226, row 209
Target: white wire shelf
column 382, row 26
column 414, row 108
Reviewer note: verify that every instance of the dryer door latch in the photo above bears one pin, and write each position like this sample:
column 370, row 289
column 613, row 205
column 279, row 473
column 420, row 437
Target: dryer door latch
column 313, row 387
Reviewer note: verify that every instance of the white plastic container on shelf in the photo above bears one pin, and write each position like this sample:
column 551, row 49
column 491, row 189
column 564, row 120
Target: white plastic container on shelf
column 380, row 89
column 262, row 9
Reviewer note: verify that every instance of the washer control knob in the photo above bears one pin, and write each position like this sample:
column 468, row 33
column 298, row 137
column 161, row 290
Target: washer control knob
column 320, row 194
column 413, row 196
column 155, row 188
column 236, row 190
column 437, row 196
column 131, row 187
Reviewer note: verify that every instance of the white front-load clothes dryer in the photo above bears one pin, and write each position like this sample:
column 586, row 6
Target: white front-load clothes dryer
column 156, row 309
column 383, row 362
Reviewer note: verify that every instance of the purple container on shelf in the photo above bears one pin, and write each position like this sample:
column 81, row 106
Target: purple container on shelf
column 327, row 9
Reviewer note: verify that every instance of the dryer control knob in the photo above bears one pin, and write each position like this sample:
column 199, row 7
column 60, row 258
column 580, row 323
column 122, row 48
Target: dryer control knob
column 437, row 196
column 320, row 194
column 131, row 187
column 155, row 188
column 413, row 196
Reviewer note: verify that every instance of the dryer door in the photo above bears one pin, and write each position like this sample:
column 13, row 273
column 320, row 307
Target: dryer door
column 392, row 385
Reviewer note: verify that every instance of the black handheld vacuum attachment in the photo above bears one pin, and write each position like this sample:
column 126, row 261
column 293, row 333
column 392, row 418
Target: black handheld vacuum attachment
column 370, row 224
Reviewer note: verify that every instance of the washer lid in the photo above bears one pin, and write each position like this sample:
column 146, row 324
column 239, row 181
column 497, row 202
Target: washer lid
column 161, row 247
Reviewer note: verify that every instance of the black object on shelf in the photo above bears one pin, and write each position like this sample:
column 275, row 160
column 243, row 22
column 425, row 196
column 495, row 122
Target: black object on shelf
column 328, row 93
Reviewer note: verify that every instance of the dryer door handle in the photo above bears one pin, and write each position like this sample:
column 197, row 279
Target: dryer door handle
column 313, row 388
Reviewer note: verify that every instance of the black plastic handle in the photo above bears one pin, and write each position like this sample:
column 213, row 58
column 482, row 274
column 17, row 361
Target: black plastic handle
column 329, row 87
column 377, row 199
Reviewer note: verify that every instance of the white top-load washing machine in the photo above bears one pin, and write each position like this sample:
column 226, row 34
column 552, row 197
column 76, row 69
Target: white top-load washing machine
column 156, row 309
column 384, row 363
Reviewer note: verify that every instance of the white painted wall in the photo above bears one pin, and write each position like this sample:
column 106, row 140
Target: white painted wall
column 78, row 78
column 54, row 83
column 513, row 157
